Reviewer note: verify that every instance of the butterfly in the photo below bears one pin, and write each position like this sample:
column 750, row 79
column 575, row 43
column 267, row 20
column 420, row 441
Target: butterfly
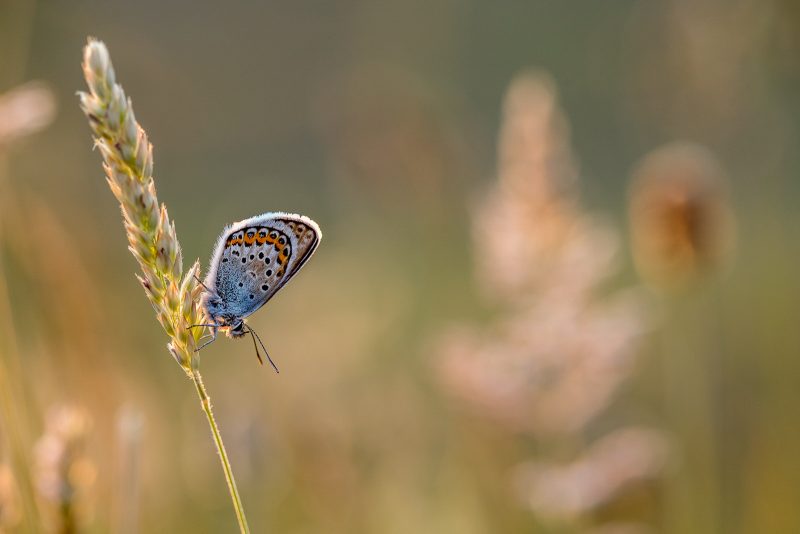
column 252, row 260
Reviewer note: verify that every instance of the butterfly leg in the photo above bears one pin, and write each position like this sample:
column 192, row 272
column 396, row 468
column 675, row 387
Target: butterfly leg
column 214, row 327
column 209, row 342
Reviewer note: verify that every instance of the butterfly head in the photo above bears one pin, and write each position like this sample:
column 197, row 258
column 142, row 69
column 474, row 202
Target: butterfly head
column 236, row 329
column 219, row 313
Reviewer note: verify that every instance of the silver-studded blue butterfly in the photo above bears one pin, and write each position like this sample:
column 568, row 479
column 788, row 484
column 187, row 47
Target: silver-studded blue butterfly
column 253, row 259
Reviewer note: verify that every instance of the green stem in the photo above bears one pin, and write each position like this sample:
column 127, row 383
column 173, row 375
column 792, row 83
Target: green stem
column 205, row 401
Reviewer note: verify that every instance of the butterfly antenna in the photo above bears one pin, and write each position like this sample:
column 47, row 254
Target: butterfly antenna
column 258, row 355
column 256, row 336
column 201, row 283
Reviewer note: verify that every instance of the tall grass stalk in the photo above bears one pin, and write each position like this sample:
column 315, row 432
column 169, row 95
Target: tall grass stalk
column 128, row 163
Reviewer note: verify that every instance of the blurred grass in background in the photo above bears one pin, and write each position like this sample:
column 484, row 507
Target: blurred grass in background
column 381, row 121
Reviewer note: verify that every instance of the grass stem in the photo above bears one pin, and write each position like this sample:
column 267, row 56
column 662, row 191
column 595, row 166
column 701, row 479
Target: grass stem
column 205, row 401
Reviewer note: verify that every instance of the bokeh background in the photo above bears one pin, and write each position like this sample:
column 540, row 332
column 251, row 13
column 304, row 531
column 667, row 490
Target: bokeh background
column 557, row 291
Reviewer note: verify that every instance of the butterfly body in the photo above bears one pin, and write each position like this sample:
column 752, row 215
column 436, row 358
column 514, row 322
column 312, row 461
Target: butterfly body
column 252, row 260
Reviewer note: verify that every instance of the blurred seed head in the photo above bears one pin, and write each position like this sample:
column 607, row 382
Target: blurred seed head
column 25, row 110
column 681, row 220
column 555, row 361
column 534, row 156
column 64, row 473
column 562, row 491
column 546, row 371
column 528, row 230
column 713, row 47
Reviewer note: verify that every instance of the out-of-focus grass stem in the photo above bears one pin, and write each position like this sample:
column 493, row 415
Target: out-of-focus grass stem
column 12, row 394
column 692, row 490
column 130, row 429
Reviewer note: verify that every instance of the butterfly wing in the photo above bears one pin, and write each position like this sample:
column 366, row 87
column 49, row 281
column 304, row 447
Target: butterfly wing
column 255, row 258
